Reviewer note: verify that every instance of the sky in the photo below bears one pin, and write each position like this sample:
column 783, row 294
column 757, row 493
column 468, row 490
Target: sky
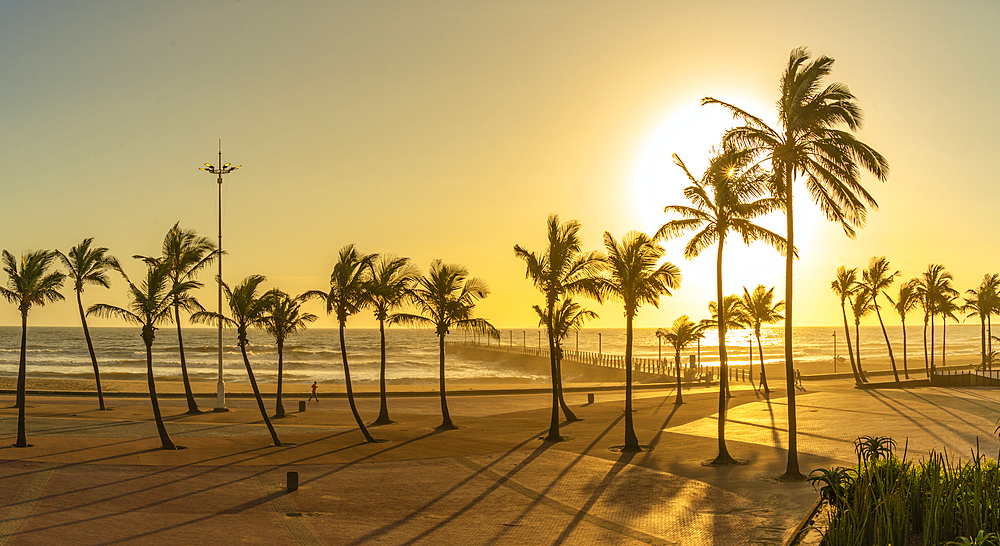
column 451, row 129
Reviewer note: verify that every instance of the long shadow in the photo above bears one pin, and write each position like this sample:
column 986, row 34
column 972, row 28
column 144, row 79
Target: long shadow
column 949, row 411
column 919, row 424
column 620, row 465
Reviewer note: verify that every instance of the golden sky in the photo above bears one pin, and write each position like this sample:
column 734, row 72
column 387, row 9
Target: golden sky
column 452, row 129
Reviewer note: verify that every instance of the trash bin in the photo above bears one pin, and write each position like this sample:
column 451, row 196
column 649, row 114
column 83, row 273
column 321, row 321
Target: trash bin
column 302, row 406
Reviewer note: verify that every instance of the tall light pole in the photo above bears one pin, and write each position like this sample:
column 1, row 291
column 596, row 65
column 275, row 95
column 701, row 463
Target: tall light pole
column 220, row 404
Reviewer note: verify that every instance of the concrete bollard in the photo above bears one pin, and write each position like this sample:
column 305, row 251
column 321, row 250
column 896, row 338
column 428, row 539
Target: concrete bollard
column 292, row 481
column 590, row 398
column 302, row 406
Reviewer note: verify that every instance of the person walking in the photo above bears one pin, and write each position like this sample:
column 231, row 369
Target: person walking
column 313, row 396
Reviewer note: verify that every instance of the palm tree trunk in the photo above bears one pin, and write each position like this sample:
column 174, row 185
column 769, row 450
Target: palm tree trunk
column 93, row 357
column 279, row 408
column 723, row 457
column 568, row 413
column 927, row 368
column 989, row 337
column 906, row 370
column 982, row 338
column 446, row 423
column 554, row 435
column 192, row 405
column 858, row 378
column 750, row 338
column 165, row 441
column 631, row 441
column 22, row 439
column 383, row 410
column 792, row 468
column 892, row 359
column 763, row 370
column 932, row 342
column 256, row 394
column 944, row 338
column 677, row 363
column 857, row 344
column 350, row 391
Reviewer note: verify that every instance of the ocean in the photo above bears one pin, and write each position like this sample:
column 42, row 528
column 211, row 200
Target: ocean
column 411, row 354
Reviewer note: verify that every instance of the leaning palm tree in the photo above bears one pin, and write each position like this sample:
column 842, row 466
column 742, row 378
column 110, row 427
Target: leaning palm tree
column 247, row 310
column 86, row 265
column 845, row 286
column 907, row 300
column 861, row 307
column 349, row 285
column 808, row 144
column 149, row 305
column 446, row 297
column 760, row 309
column 390, row 280
column 562, row 269
column 735, row 319
column 726, row 199
column 283, row 317
column 634, row 278
column 568, row 315
column 185, row 254
column 877, row 278
column 680, row 335
column 29, row 283
column 935, row 285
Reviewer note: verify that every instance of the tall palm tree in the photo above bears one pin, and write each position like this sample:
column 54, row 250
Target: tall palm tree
column 349, row 293
column 680, row 335
column 760, row 309
column 568, row 315
column 562, row 269
column 845, row 286
column 877, row 278
column 29, row 283
column 907, row 300
column 735, row 318
column 861, row 306
column 726, row 199
column 634, row 279
column 808, row 144
column 247, row 310
column 935, row 285
column 149, row 305
column 983, row 301
column 947, row 309
column 391, row 278
column 975, row 306
column 991, row 287
column 447, row 297
column 283, row 317
column 86, row 265
column 185, row 254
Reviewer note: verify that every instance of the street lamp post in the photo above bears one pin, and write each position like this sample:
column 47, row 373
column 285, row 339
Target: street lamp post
column 222, row 169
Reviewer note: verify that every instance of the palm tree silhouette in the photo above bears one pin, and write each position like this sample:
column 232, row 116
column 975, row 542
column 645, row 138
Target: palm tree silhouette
column 877, row 278
column 29, row 283
column 935, row 285
column 248, row 310
column 149, row 305
column 982, row 302
column 634, row 278
column 722, row 203
column 563, row 269
column 809, row 144
column 680, row 335
column 391, row 278
column 349, row 285
column 185, row 254
column 86, row 265
column 568, row 315
column 447, row 297
column 861, row 307
column 760, row 309
column 845, row 286
column 283, row 317
column 907, row 301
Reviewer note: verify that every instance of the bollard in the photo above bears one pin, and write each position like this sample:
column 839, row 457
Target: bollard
column 293, row 481
column 590, row 398
column 302, row 406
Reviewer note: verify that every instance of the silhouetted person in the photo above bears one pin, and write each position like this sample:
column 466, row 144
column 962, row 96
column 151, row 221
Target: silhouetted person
column 798, row 378
column 313, row 395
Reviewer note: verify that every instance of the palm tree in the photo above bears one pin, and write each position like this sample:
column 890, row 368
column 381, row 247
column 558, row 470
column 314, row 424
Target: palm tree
column 845, row 286
column 947, row 309
column 563, row 269
column 907, row 301
column 349, row 286
column 568, row 315
column 877, row 278
column 185, row 254
column 634, row 278
column 809, row 144
column 760, row 309
column 248, row 309
column 86, row 265
column 29, row 283
column 861, row 306
column 682, row 334
column 983, row 302
column 935, row 285
column 447, row 297
column 991, row 287
column 975, row 306
column 390, row 280
column 735, row 319
column 149, row 305
column 283, row 317
column 722, row 203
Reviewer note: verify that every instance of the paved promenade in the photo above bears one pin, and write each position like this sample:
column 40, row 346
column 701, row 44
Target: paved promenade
column 96, row 477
